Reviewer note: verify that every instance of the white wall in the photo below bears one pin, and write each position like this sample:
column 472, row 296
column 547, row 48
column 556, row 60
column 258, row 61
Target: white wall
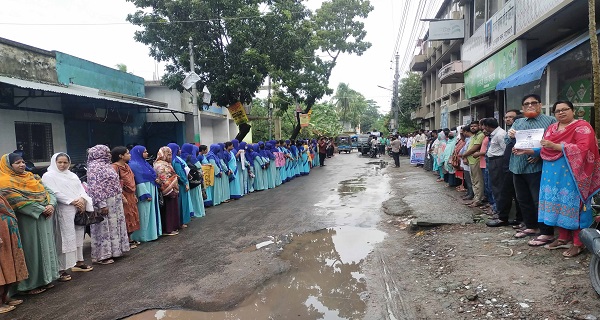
column 8, row 142
column 163, row 94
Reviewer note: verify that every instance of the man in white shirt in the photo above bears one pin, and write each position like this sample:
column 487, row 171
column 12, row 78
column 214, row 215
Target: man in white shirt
column 495, row 155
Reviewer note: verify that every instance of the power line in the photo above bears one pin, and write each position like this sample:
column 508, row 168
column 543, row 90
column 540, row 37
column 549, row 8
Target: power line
column 151, row 22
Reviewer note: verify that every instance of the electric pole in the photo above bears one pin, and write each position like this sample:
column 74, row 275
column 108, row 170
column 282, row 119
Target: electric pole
column 194, row 97
column 395, row 102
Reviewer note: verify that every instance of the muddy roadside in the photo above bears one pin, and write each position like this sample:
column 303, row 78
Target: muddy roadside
column 467, row 270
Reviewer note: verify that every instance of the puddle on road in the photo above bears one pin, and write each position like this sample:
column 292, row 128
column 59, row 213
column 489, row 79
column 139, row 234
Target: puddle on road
column 325, row 281
column 352, row 186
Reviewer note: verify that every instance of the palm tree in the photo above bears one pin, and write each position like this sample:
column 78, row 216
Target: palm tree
column 349, row 106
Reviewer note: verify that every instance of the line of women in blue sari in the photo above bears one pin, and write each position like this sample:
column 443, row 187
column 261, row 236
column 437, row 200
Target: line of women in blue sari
column 237, row 169
column 241, row 168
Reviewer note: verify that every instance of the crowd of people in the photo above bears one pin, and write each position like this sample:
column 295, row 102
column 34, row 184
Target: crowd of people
column 124, row 202
column 552, row 185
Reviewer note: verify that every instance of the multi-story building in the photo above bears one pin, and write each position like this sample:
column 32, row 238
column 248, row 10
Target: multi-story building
column 510, row 48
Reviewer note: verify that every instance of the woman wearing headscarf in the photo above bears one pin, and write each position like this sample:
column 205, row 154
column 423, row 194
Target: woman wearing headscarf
column 279, row 161
column 215, row 192
column 12, row 259
column 168, row 186
column 188, row 154
column 303, row 149
column 283, row 171
column 315, row 160
column 258, row 168
column 447, row 156
column 204, row 163
column 119, row 157
column 71, row 198
column 243, row 168
column 181, row 168
column 437, row 151
column 109, row 237
column 146, row 191
column 295, row 160
column 266, row 156
column 250, row 154
column 223, row 159
column 34, row 206
column 235, row 192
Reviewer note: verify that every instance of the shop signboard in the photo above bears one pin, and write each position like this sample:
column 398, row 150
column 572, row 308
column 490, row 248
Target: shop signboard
column 530, row 11
column 446, row 29
column 485, row 76
column 500, row 27
column 493, row 34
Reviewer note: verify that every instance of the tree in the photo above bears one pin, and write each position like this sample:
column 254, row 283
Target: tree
column 595, row 65
column 349, row 105
column 336, row 30
column 370, row 118
column 409, row 99
column 236, row 45
column 121, row 67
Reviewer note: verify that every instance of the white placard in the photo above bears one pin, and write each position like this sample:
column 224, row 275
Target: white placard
column 529, row 139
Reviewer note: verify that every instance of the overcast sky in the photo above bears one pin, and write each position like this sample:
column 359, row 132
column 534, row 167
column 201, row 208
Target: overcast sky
column 48, row 24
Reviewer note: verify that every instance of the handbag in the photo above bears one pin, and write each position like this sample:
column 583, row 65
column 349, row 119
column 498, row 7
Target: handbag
column 87, row 218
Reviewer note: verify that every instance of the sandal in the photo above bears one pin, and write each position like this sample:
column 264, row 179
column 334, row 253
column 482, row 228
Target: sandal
column 573, row 251
column 539, row 241
column 64, row 277
column 6, row 308
column 106, row 261
column 559, row 244
column 82, row 268
column 35, row 291
column 524, row 234
column 474, row 205
column 14, row 302
column 48, row 286
column 519, row 226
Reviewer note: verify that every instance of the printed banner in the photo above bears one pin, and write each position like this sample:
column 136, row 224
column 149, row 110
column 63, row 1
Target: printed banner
column 238, row 113
column 209, row 175
column 417, row 154
column 304, row 120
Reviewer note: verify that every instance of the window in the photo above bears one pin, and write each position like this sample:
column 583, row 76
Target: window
column 478, row 14
column 35, row 139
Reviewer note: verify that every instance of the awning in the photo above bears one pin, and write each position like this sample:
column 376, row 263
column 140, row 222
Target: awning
column 534, row 70
column 92, row 93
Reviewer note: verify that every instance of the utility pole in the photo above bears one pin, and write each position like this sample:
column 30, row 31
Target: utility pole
column 270, row 108
column 194, row 97
column 595, row 66
column 395, row 102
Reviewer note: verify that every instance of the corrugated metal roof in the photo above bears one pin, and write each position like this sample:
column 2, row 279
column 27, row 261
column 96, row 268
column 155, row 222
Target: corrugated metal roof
column 79, row 91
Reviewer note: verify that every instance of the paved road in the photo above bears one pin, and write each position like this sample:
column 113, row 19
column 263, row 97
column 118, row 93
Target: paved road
column 208, row 267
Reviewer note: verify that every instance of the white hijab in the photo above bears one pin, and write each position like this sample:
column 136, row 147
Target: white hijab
column 66, row 182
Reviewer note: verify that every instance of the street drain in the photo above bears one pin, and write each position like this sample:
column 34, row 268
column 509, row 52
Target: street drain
column 325, row 281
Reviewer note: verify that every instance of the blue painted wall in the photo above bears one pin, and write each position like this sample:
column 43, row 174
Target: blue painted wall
column 78, row 71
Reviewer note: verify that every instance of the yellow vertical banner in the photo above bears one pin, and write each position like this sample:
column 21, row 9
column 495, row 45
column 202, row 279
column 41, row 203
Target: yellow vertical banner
column 238, row 113
column 209, row 175
column 304, row 120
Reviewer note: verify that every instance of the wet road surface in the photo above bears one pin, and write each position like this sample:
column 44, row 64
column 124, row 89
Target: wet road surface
column 292, row 251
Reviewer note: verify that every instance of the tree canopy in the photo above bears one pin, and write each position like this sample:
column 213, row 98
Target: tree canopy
column 409, row 99
column 238, row 43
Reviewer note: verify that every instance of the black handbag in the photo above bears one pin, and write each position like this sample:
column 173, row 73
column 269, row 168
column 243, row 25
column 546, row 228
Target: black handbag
column 87, row 218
